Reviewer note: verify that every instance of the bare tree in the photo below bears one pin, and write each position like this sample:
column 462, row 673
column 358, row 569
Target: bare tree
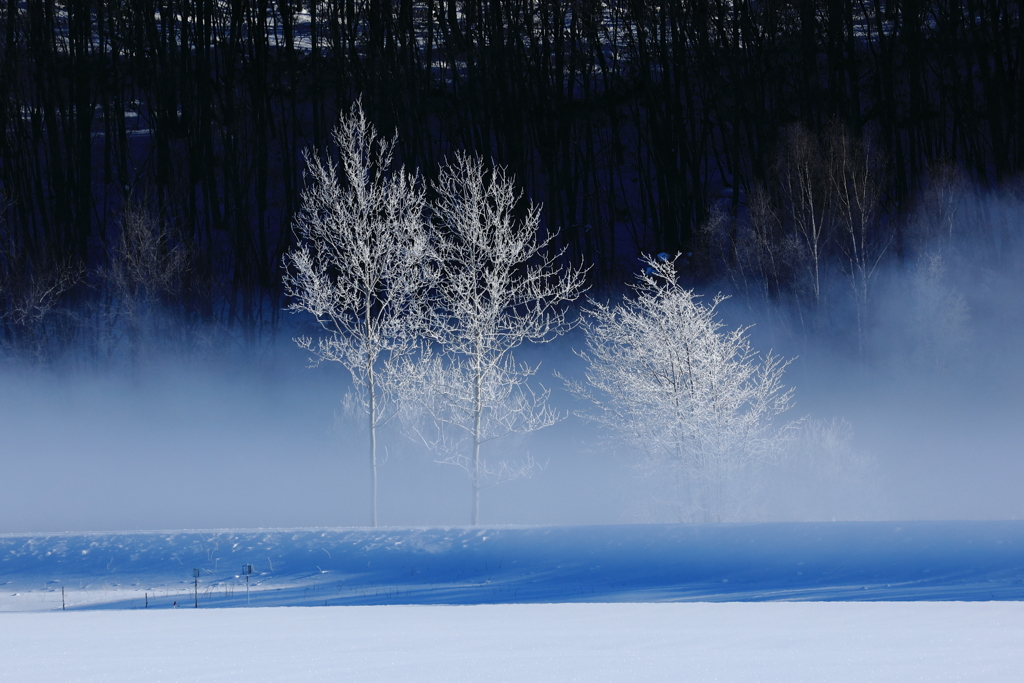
column 499, row 284
column 33, row 312
column 31, row 288
column 145, row 273
column 755, row 251
column 808, row 200
column 939, row 211
column 361, row 266
column 855, row 179
column 696, row 402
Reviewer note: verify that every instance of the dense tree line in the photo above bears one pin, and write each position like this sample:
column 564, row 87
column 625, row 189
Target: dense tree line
column 181, row 123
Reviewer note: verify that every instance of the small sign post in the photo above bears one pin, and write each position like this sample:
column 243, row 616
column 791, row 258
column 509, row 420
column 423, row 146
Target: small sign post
column 195, row 575
column 247, row 570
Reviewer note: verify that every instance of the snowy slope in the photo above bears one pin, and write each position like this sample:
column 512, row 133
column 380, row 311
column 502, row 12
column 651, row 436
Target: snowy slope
column 624, row 563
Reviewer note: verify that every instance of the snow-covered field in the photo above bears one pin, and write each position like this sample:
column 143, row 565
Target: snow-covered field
column 691, row 642
column 465, row 565
column 880, row 601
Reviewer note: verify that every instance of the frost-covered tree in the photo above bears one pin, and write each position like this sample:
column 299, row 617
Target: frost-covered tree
column 823, row 476
column 362, row 267
column 499, row 284
column 696, row 401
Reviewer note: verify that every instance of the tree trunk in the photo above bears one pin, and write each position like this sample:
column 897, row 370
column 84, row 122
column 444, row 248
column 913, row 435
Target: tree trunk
column 373, row 446
column 477, row 437
column 477, row 423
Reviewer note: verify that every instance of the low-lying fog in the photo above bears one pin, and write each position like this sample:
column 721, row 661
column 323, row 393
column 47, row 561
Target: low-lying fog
column 935, row 407
column 206, row 448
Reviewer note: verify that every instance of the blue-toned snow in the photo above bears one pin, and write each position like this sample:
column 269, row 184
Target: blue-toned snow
column 737, row 642
column 873, row 561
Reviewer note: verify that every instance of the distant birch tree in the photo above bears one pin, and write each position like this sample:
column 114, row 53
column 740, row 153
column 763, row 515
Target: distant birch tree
column 361, row 266
column 499, row 284
column 146, row 272
column 807, row 200
column 696, row 402
column 855, row 174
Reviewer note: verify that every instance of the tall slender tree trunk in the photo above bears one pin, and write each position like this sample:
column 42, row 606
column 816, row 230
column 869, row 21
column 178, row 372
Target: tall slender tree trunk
column 373, row 444
column 477, row 423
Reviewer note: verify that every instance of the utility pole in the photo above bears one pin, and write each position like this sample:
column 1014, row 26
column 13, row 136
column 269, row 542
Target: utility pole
column 247, row 570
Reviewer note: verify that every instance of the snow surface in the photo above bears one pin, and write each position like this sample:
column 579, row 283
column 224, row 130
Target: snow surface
column 862, row 561
column 743, row 602
column 692, row 642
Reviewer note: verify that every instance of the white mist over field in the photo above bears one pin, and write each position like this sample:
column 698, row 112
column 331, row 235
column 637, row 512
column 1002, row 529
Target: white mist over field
column 933, row 406
column 200, row 447
column 188, row 446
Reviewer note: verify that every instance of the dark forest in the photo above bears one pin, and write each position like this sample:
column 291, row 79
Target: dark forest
column 151, row 152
